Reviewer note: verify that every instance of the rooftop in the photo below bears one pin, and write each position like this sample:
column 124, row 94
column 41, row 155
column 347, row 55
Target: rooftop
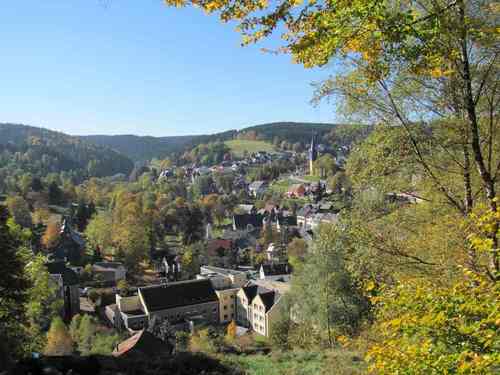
column 182, row 293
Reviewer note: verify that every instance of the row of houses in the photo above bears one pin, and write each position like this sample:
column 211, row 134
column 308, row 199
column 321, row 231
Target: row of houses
column 216, row 296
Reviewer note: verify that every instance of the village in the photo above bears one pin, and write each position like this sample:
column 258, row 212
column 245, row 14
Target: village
column 239, row 280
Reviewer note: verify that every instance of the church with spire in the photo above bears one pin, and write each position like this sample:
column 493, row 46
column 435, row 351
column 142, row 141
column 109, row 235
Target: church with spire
column 313, row 154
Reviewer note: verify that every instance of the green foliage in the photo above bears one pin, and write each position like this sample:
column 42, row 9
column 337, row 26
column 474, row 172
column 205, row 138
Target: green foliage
column 427, row 328
column 44, row 302
column 40, row 152
column 14, row 294
column 20, row 211
column 91, row 338
column 59, row 341
column 324, row 293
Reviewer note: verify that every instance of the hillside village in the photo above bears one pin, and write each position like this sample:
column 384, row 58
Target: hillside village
column 243, row 268
column 156, row 233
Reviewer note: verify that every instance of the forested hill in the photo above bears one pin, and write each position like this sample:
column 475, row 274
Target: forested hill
column 38, row 151
column 145, row 148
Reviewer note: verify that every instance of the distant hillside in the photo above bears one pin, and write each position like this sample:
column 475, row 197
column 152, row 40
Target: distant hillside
column 290, row 131
column 145, row 148
column 41, row 151
column 238, row 147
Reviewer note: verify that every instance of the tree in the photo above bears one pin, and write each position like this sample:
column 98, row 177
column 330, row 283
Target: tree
column 55, row 193
column 181, row 341
column 99, row 230
column 14, row 286
column 58, row 339
column 280, row 332
column 428, row 328
column 297, row 250
column 231, row 331
column 20, row 211
column 43, row 303
column 404, row 63
column 51, row 235
column 86, row 334
column 324, row 294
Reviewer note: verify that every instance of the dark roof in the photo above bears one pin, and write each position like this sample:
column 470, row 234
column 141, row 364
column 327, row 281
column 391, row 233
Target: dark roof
column 59, row 268
column 251, row 291
column 288, row 220
column 183, row 293
column 269, row 299
column 242, row 221
column 144, row 343
column 276, row 269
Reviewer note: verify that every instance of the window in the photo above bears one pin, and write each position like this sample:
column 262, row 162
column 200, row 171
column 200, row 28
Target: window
column 225, row 307
column 225, row 316
column 214, row 309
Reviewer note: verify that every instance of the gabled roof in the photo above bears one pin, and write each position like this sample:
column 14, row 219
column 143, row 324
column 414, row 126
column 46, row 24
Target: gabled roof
column 242, row 221
column 183, row 293
column 144, row 343
column 269, row 299
column 251, row 291
column 288, row 220
column 59, row 268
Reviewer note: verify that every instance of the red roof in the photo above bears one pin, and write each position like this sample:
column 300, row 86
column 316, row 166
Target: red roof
column 144, row 343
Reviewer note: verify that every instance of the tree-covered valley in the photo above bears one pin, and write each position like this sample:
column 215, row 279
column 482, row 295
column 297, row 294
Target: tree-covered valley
column 369, row 247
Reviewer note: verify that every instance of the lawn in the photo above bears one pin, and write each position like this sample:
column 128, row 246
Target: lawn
column 238, row 146
column 281, row 186
column 339, row 362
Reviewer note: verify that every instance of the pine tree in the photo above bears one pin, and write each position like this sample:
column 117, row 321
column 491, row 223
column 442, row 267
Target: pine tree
column 13, row 292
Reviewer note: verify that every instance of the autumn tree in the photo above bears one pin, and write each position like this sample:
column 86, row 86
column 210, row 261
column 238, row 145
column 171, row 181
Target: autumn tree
column 231, row 331
column 58, row 339
column 51, row 235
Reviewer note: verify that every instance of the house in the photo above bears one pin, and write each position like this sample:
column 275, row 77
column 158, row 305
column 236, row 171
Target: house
column 177, row 302
column 142, row 344
column 67, row 287
column 257, row 188
column 223, row 278
column 244, row 298
column 275, row 271
column 70, row 246
column 110, row 272
column 227, row 304
column 258, row 308
column 296, row 191
column 304, row 216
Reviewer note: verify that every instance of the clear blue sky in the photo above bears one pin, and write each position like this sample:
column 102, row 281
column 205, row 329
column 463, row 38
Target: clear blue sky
column 139, row 67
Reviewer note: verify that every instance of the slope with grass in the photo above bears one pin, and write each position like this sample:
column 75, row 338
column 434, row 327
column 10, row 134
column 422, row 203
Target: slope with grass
column 239, row 146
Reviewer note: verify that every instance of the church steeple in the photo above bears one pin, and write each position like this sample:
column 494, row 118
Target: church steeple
column 313, row 154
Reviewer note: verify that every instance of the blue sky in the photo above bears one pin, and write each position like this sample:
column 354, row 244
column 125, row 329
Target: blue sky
column 138, row 67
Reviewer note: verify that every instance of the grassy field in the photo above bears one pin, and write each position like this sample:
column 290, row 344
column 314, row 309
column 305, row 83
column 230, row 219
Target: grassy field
column 238, row 147
column 338, row 362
